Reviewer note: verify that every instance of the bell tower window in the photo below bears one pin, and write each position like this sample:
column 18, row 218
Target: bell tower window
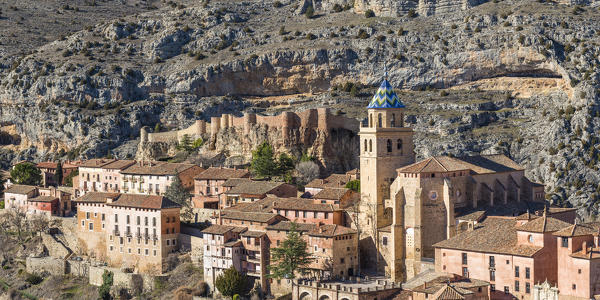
column 370, row 145
column 371, row 120
column 393, row 121
column 389, row 145
column 399, row 144
column 379, row 121
column 365, row 145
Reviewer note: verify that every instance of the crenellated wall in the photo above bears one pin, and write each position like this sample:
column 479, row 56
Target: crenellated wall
column 316, row 131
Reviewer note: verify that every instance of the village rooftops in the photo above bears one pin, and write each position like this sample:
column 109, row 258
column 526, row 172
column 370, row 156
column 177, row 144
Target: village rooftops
column 543, row 224
column 254, row 188
column 54, row 165
column 494, row 235
column 42, row 199
column 213, row 173
column 222, row 229
column 264, row 205
column 254, row 234
column 95, row 163
column 249, row 216
column 477, row 216
column 317, row 230
column 96, row 197
column 579, row 230
column 144, row 201
column 20, row 189
column 480, row 164
column 156, row 168
column 331, row 193
column 231, row 182
column 119, row 164
column 302, row 204
column 333, row 181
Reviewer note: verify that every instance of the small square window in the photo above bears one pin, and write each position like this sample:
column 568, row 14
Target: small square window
column 574, row 287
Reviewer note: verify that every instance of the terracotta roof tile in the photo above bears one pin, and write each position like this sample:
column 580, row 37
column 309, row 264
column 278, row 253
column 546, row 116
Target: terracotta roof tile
column 592, row 253
column 334, row 180
column 477, row 215
column 254, row 187
column 543, row 224
column 156, row 168
column 332, row 193
column 480, row 164
column 579, row 230
column 222, row 173
column 42, row 199
column 327, row 230
column 253, row 233
column 218, row 229
column 20, row 189
column 47, row 165
column 96, row 197
column 264, row 205
column 95, row 163
column 231, row 182
column 144, row 201
column 119, row 164
column 248, row 216
column 301, row 204
column 494, row 235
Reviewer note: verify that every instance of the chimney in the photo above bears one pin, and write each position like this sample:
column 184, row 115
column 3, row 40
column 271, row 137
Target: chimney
column 109, row 200
column 425, row 285
column 584, row 247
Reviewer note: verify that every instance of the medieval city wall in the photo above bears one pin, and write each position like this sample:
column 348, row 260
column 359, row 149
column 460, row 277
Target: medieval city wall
column 320, row 118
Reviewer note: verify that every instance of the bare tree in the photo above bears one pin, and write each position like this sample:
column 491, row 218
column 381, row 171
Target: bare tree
column 307, row 171
column 17, row 220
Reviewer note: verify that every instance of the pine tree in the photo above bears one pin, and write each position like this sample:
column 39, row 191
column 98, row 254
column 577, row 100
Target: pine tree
column 291, row 257
column 185, row 144
column 263, row 163
column 58, row 176
column 285, row 164
column 232, row 282
column 177, row 193
column 26, row 173
column 353, row 185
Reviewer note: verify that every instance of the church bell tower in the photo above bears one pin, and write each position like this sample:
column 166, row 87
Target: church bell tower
column 385, row 145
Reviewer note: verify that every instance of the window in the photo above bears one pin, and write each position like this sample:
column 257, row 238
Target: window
column 530, row 238
column 91, row 226
column 127, row 219
column 167, row 220
column 384, row 242
column 145, row 221
column 304, row 214
column 393, row 121
column 365, row 145
column 516, row 286
column 527, row 287
column 492, row 275
column 326, row 215
column 154, row 252
column 389, row 145
column 506, row 290
column 492, row 262
column 82, row 223
column 399, row 144
column 129, row 250
column 146, row 252
column 116, row 218
column 465, row 272
column 87, row 215
column 492, row 287
column 464, row 258
column 138, row 220
column 565, row 242
column 527, row 273
column 574, row 287
column 379, row 120
column 578, row 271
column 168, row 242
column 153, row 221
column 103, row 217
column 174, row 242
column 516, row 271
column 370, row 145
column 277, row 242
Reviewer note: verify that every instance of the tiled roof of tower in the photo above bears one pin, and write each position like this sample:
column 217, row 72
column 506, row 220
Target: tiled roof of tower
column 222, row 173
column 480, row 164
column 96, row 197
column 579, row 230
column 385, row 97
column 20, row 189
column 543, row 224
column 144, row 201
column 495, row 235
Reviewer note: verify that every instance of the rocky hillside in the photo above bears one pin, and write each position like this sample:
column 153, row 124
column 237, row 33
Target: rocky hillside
column 518, row 77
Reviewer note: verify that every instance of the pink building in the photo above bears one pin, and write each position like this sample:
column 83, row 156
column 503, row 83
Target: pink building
column 37, row 200
column 250, row 191
column 339, row 197
column 512, row 255
column 153, row 178
column 301, row 210
column 333, row 181
column 91, row 176
column 208, row 185
column 48, row 169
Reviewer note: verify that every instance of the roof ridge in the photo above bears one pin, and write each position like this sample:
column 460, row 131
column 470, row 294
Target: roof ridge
column 440, row 163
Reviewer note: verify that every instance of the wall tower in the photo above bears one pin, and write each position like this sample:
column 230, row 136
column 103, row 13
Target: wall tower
column 385, row 145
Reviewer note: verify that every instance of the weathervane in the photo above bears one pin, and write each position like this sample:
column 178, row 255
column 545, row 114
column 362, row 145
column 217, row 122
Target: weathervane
column 385, row 73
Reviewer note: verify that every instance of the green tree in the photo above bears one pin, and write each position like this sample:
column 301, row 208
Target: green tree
column 58, row 176
column 353, row 185
column 69, row 178
column 26, row 173
column 291, row 257
column 178, row 194
column 305, row 157
column 197, row 143
column 157, row 127
column 263, row 162
column 107, row 282
column 232, row 282
column 285, row 164
column 185, row 144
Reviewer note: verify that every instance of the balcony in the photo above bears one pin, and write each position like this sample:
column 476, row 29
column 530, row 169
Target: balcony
column 146, row 236
column 125, row 179
column 141, row 180
column 133, row 179
column 138, row 235
column 128, row 233
column 116, row 233
column 155, row 237
column 255, row 259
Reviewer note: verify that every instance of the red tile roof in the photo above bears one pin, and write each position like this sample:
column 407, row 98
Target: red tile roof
column 96, row 197
column 144, row 201
column 302, row 204
column 543, row 224
column 20, row 189
column 332, row 193
column 156, row 168
column 480, row 164
column 119, row 164
column 42, row 199
column 222, row 174
column 95, row 163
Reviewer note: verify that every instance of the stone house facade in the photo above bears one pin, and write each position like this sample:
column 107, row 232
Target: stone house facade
column 153, row 178
column 38, row 200
column 208, row 185
column 129, row 230
column 249, row 191
column 48, row 169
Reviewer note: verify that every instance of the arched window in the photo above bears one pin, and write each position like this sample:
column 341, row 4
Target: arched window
column 389, row 145
column 371, row 120
column 365, row 145
column 370, row 145
column 393, row 121
column 399, row 144
column 379, row 121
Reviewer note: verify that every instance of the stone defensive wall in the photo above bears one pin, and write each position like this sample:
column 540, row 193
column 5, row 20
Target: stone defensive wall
column 319, row 118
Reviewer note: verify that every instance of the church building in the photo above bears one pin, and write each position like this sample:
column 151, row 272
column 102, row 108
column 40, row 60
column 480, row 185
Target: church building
column 407, row 207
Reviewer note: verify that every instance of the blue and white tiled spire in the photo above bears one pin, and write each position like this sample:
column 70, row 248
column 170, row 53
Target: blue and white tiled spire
column 385, row 96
